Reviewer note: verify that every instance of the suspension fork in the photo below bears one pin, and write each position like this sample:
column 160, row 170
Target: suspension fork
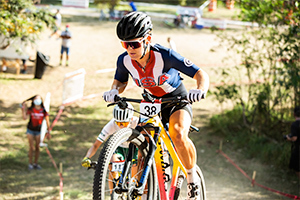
column 122, row 185
column 148, row 162
column 139, row 190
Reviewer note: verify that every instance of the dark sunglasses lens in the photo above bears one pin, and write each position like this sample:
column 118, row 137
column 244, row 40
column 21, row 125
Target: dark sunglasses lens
column 133, row 45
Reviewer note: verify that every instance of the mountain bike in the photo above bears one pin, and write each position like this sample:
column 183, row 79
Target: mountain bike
column 152, row 142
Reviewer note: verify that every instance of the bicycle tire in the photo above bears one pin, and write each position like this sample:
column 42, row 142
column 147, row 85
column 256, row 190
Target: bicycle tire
column 100, row 184
column 202, row 194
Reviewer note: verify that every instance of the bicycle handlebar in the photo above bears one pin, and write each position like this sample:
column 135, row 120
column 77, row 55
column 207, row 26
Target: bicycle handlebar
column 93, row 165
column 120, row 100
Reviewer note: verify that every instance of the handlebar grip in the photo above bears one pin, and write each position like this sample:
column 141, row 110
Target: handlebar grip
column 117, row 98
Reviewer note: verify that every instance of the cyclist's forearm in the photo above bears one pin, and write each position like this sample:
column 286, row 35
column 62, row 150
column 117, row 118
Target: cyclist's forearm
column 202, row 80
column 91, row 152
column 119, row 86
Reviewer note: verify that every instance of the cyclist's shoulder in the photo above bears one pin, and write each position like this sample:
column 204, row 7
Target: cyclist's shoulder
column 122, row 55
column 166, row 53
column 121, row 59
column 160, row 49
column 109, row 124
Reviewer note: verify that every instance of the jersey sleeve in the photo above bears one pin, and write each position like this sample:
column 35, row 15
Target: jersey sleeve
column 107, row 130
column 175, row 60
column 121, row 73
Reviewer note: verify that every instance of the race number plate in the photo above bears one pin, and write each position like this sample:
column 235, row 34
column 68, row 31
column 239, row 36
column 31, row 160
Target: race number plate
column 117, row 166
column 150, row 109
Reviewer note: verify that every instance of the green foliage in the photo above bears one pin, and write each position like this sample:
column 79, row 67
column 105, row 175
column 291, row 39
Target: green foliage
column 266, row 83
column 264, row 87
column 230, row 126
column 267, row 12
column 19, row 19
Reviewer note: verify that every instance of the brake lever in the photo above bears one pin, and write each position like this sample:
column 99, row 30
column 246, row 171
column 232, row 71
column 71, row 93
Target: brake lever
column 93, row 165
column 117, row 99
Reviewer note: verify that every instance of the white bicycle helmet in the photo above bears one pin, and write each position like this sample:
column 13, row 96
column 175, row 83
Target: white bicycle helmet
column 121, row 115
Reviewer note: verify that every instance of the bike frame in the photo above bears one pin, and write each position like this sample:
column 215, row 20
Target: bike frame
column 161, row 165
column 155, row 152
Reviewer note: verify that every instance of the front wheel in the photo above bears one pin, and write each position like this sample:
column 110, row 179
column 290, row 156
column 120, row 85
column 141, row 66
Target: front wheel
column 109, row 169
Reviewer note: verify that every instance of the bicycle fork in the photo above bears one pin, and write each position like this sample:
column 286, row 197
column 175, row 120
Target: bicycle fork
column 135, row 191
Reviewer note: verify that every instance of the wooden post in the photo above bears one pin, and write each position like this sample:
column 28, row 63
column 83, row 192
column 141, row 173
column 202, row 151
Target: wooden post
column 60, row 168
column 221, row 145
column 253, row 178
column 61, row 193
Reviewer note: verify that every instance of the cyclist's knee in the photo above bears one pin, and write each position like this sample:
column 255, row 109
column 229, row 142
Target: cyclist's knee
column 179, row 136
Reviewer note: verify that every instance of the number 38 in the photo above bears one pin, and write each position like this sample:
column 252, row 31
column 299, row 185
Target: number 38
column 150, row 110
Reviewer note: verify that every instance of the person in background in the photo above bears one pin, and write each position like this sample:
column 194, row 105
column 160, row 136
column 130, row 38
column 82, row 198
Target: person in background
column 133, row 6
column 24, row 70
column 294, row 137
column 56, row 27
column 66, row 44
column 36, row 113
column 171, row 44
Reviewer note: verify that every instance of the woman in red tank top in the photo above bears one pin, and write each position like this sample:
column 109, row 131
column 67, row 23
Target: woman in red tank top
column 36, row 113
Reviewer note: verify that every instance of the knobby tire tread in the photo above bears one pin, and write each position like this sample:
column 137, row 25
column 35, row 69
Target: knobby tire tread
column 104, row 158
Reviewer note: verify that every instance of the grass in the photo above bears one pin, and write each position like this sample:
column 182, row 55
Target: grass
column 230, row 126
column 70, row 140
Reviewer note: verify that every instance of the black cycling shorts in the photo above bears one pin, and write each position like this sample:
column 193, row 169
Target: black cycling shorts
column 166, row 111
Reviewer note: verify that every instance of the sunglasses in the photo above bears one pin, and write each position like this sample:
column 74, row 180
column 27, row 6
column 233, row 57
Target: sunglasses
column 124, row 124
column 133, row 44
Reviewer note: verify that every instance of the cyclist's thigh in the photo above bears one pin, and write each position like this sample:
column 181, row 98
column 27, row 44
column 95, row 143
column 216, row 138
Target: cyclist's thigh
column 179, row 123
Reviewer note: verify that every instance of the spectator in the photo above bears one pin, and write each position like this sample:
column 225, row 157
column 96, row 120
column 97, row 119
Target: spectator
column 294, row 137
column 66, row 44
column 36, row 113
column 171, row 44
column 56, row 27
column 102, row 15
column 24, row 70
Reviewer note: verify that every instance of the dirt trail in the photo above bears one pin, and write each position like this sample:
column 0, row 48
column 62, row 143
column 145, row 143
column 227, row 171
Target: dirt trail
column 94, row 47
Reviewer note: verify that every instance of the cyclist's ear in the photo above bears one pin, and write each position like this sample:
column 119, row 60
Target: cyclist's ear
column 148, row 39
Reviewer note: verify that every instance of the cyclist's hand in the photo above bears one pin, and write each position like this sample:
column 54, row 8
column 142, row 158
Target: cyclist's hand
column 86, row 162
column 195, row 95
column 109, row 96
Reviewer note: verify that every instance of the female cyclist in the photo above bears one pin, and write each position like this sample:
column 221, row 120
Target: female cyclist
column 157, row 70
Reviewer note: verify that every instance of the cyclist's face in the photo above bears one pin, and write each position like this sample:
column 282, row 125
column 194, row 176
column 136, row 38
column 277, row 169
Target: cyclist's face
column 122, row 124
column 135, row 49
column 136, row 52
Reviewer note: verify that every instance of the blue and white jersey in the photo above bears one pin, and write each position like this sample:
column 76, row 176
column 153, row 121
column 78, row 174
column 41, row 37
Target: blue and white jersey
column 162, row 72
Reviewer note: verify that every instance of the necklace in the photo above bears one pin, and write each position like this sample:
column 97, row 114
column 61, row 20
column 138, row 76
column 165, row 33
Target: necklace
column 143, row 68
